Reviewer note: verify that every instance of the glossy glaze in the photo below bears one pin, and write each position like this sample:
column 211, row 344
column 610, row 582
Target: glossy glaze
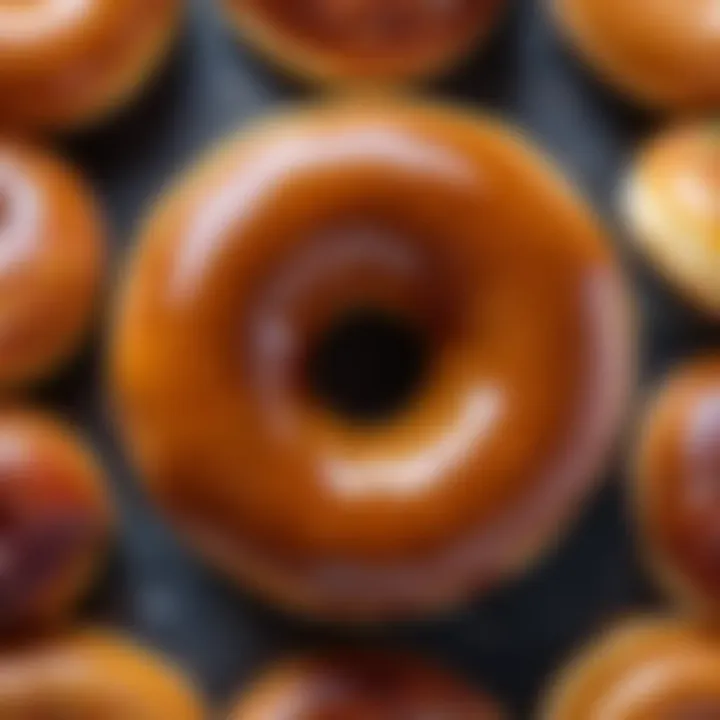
column 412, row 210
column 369, row 686
column 678, row 476
column 662, row 52
column 67, row 63
column 90, row 675
column 55, row 519
column 52, row 256
column 648, row 669
column 672, row 205
column 365, row 40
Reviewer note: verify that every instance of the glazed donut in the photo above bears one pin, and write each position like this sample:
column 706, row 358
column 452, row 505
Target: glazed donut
column 55, row 520
column 677, row 488
column 52, row 258
column 331, row 217
column 92, row 674
column 672, row 205
column 65, row 64
column 364, row 41
column 364, row 686
column 652, row 668
column 663, row 54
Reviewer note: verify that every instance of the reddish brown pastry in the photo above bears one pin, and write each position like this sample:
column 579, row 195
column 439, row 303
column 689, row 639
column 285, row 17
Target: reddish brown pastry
column 660, row 52
column 365, row 41
column 678, row 483
column 92, row 674
column 52, row 257
column 368, row 686
column 65, row 64
column 653, row 669
column 386, row 213
column 55, row 519
column 672, row 205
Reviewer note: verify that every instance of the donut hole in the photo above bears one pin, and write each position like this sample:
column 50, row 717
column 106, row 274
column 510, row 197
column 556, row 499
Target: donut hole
column 368, row 365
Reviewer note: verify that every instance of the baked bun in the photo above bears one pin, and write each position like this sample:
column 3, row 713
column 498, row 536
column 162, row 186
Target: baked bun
column 55, row 520
column 677, row 490
column 52, row 261
column 662, row 53
column 388, row 220
column 92, row 674
column 65, row 64
column 646, row 669
column 365, row 686
column 364, row 41
column 672, row 206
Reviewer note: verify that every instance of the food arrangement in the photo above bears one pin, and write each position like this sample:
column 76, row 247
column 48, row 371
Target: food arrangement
column 370, row 357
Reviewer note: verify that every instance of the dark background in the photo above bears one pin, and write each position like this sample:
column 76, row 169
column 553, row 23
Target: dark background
column 510, row 641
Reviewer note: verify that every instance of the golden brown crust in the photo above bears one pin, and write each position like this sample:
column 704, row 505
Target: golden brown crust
column 664, row 54
column 92, row 674
column 362, row 685
column 677, row 495
column 364, row 42
column 55, row 520
column 52, row 261
column 502, row 444
column 653, row 668
column 65, row 64
column 671, row 206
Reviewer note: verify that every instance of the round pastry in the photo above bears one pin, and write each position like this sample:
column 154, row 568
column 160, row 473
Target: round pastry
column 65, row 64
column 52, row 257
column 92, row 674
column 365, row 686
column 645, row 669
column 354, row 374
column 55, row 519
column 672, row 206
column 678, row 483
column 365, row 41
column 662, row 53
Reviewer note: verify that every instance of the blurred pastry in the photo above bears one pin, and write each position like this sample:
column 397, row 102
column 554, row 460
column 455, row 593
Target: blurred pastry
column 365, row 686
column 365, row 41
column 660, row 52
column 677, row 489
column 672, row 205
column 353, row 252
column 92, row 674
column 65, row 64
column 55, row 520
column 52, row 257
column 643, row 670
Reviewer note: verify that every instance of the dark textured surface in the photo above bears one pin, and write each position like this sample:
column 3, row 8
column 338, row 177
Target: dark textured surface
column 509, row 641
